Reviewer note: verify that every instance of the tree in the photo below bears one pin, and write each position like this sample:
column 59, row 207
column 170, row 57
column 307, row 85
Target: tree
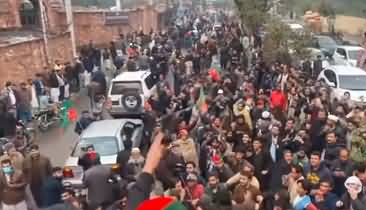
column 276, row 42
column 252, row 13
column 358, row 151
column 282, row 44
column 325, row 9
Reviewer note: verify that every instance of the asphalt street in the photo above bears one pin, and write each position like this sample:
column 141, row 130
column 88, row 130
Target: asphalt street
column 57, row 143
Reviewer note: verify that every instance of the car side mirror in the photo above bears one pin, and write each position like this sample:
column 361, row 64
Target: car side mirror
column 332, row 84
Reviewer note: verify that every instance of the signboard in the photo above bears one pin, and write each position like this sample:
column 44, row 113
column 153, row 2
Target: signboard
column 115, row 18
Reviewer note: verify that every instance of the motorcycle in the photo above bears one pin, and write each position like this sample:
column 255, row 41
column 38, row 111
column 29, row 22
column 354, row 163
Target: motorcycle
column 48, row 118
column 22, row 140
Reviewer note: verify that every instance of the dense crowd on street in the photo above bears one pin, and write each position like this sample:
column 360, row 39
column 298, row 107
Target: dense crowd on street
column 235, row 132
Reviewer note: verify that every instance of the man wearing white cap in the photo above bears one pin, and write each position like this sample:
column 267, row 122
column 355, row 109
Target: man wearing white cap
column 354, row 199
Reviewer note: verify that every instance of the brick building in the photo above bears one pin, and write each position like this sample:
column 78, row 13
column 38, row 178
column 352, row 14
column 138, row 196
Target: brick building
column 22, row 46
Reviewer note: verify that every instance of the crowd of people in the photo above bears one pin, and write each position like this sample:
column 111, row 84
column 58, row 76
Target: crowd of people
column 236, row 132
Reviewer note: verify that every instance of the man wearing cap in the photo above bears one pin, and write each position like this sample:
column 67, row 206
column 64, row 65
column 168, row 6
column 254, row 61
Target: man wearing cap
column 354, row 198
column 240, row 109
column 187, row 147
column 195, row 191
column 222, row 170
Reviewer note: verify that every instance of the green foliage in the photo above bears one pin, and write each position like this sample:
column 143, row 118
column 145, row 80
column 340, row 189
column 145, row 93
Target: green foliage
column 358, row 152
column 280, row 40
column 300, row 46
column 344, row 7
column 276, row 41
column 252, row 13
column 325, row 8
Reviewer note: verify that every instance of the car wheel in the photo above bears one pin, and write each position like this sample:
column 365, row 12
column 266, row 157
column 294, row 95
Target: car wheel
column 131, row 101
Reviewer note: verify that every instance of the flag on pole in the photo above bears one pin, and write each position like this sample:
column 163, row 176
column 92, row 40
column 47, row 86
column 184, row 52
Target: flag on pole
column 171, row 81
column 68, row 113
column 201, row 102
column 215, row 64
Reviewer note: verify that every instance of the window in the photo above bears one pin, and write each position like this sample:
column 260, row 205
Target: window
column 119, row 87
column 331, row 76
column 151, row 80
column 354, row 54
column 29, row 13
column 104, row 146
column 352, row 82
column 342, row 52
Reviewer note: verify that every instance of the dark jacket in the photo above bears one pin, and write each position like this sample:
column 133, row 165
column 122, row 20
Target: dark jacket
column 62, row 206
column 96, row 181
column 40, row 87
column 82, row 124
column 166, row 169
column 315, row 176
column 224, row 173
column 345, row 167
column 99, row 77
column 53, row 81
column 358, row 204
column 279, row 169
column 140, row 191
column 52, row 190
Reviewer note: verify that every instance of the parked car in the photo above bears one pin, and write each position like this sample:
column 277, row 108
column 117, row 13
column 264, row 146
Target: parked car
column 347, row 55
column 345, row 80
column 129, row 91
column 107, row 137
column 324, row 43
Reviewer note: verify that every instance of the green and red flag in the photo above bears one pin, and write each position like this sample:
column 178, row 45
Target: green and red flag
column 162, row 203
column 201, row 102
column 68, row 113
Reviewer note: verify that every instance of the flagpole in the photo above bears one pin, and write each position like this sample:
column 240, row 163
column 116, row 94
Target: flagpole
column 44, row 31
column 70, row 23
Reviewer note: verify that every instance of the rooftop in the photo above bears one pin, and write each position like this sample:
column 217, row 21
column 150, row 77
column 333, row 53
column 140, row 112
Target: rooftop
column 106, row 128
column 131, row 76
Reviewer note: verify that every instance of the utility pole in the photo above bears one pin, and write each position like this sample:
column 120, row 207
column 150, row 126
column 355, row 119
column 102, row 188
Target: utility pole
column 44, row 31
column 70, row 24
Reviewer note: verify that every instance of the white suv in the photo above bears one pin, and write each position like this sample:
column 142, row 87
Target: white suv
column 129, row 91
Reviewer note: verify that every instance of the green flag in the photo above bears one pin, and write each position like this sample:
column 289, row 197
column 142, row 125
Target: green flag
column 67, row 104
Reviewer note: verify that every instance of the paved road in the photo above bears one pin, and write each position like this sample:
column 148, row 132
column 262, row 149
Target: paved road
column 57, row 143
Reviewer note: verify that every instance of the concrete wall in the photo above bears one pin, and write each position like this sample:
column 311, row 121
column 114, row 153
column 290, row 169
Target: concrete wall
column 21, row 61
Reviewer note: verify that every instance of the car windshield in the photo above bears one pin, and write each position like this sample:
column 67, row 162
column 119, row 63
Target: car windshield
column 354, row 54
column 104, row 146
column 326, row 41
column 352, row 82
column 119, row 87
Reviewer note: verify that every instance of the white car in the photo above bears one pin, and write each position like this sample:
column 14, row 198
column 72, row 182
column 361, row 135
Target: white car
column 347, row 55
column 345, row 80
column 129, row 91
column 106, row 137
